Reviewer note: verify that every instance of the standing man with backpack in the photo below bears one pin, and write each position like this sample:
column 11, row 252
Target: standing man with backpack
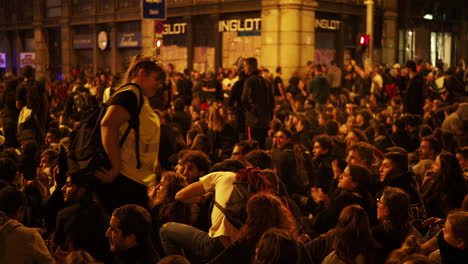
column 258, row 101
column 78, row 102
column 133, row 161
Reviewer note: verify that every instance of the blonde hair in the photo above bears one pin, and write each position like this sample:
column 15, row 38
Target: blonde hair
column 149, row 64
column 216, row 120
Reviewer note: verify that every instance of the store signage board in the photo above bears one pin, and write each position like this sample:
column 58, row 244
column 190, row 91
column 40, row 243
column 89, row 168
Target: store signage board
column 2, row 60
column 235, row 25
column 175, row 28
column 82, row 42
column 328, row 24
column 129, row 40
column 27, row 58
column 154, row 9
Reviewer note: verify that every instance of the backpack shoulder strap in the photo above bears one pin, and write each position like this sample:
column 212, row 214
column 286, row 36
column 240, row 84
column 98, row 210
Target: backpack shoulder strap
column 134, row 121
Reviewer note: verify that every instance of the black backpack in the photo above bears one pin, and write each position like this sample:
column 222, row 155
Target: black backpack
column 236, row 206
column 84, row 101
column 86, row 154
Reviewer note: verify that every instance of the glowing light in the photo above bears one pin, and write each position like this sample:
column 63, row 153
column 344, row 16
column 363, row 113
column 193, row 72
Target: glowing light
column 428, row 16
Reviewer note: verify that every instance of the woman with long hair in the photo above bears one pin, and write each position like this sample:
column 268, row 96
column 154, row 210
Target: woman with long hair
column 393, row 214
column 131, row 173
column 443, row 187
column 264, row 211
column 349, row 242
column 165, row 208
column 277, row 246
column 220, row 134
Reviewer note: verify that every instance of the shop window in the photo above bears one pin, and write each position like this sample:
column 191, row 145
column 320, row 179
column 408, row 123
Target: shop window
column 177, row 55
column 53, row 8
column 325, row 50
column 179, row 2
column 406, row 45
column 441, row 48
column 132, row 26
column 203, row 59
column 82, row 30
column 82, row 7
column 106, row 5
column 125, row 4
column 29, row 44
column 24, row 14
column 235, row 46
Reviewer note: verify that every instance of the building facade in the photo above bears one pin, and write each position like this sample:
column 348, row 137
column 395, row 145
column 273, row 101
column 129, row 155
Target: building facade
column 202, row 35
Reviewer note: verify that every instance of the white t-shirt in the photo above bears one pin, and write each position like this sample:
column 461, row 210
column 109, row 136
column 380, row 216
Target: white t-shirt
column 221, row 182
column 228, row 83
column 377, row 84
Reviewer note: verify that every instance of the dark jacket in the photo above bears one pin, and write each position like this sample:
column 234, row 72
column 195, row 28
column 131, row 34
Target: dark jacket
column 320, row 89
column 407, row 183
column 326, row 218
column 414, row 100
column 84, row 225
column 258, row 101
column 322, row 246
column 322, row 176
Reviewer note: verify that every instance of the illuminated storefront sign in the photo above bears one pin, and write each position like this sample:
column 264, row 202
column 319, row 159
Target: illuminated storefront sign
column 27, row 58
column 129, row 40
column 82, row 42
column 2, row 60
column 175, row 29
column 327, row 24
column 235, row 25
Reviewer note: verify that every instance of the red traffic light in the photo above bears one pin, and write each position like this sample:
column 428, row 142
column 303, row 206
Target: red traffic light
column 158, row 43
column 364, row 39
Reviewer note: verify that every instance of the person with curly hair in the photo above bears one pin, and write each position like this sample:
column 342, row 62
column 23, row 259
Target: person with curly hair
column 264, row 211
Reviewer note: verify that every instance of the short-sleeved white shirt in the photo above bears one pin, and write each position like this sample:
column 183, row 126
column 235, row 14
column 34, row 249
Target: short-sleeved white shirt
column 221, row 183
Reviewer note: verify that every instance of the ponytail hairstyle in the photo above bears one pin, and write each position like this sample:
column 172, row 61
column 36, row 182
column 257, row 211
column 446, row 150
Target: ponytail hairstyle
column 149, row 65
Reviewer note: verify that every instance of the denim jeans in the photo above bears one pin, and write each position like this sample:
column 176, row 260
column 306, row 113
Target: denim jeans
column 181, row 239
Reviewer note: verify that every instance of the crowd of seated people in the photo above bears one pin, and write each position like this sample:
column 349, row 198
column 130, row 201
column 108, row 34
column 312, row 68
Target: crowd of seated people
column 354, row 165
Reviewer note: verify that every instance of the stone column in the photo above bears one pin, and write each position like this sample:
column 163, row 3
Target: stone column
column 147, row 37
column 114, row 50
column 66, row 39
column 40, row 42
column 65, row 34
column 390, row 32
column 189, row 42
column 217, row 37
column 288, row 34
column 42, row 53
column 18, row 42
column 9, row 51
column 463, row 40
column 96, row 56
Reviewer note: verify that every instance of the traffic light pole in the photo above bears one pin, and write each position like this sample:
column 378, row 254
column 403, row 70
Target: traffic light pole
column 370, row 31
